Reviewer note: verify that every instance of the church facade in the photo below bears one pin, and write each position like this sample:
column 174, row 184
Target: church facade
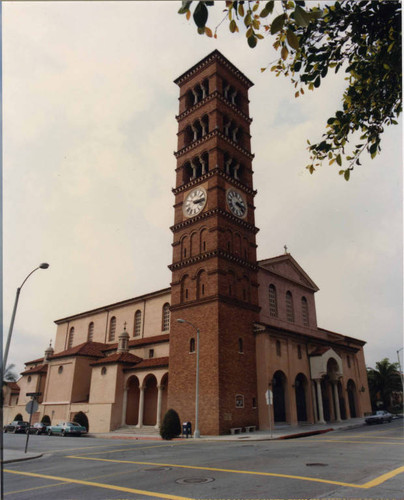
column 252, row 324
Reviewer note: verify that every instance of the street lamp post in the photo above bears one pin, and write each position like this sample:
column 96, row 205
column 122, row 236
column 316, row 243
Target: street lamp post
column 44, row 265
column 196, row 431
column 399, row 366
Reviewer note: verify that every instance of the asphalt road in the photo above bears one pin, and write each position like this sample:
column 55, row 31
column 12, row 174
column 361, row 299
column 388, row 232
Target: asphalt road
column 365, row 463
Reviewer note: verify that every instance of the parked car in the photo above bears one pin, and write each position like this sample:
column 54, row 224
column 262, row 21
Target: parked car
column 66, row 429
column 37, row 428
column 16, row 426
column 379, row 417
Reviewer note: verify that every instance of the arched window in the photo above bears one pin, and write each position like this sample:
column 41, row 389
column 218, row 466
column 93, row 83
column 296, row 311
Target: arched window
column 240, row 346
column 290, row 314
column 166, row 317
column 299, row 352
column 192, row 345
column 90, row 334
column 305, row 312
column 278, row 348
column 71, row 338
column 138, row 324
column 112, row 328
column 273, row 302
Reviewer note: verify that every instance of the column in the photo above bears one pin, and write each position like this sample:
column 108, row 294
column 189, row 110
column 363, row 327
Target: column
column 159, row 401
column 141, row 407
column 315, row 412
column 203, row 164
column 320, row 402
column 193, row 166
column 336, row 401
column 124, row 406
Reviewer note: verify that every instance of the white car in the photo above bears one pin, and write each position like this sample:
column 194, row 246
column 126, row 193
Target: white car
column 379, row 417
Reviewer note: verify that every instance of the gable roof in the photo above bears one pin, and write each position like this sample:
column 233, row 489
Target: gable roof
column 276, row 265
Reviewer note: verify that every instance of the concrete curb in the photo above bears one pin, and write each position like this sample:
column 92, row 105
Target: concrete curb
column 20, row 458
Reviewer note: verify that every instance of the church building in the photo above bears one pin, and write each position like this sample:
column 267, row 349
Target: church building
column 250, row 326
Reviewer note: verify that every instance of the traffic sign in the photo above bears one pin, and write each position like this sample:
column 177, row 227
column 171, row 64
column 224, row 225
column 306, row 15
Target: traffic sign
column 32, row 406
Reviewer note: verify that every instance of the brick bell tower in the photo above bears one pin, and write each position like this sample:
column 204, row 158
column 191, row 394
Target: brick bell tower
column 214, row 267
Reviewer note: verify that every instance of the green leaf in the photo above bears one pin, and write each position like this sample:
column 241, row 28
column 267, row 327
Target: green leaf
column 252, row 41
column 185, row 7
column 241, row 10
column 339, row 160
column 347, row 174
column 302, row 18
column 292, row 39
column 232, row 26
column 200, row 15
column 270, row 6
column 277, row 24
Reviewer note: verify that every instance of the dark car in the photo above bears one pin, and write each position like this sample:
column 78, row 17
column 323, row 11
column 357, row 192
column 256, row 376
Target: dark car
column 16, row 426
column 37, row 429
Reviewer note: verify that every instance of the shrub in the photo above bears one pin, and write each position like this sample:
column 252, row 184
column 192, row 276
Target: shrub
column 171, row 425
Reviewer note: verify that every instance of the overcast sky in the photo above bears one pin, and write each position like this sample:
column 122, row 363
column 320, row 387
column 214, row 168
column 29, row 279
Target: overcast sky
column 89, row 132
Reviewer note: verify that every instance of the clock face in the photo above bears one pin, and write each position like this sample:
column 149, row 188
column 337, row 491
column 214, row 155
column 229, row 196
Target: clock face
column 236, row 203
column 195, row 202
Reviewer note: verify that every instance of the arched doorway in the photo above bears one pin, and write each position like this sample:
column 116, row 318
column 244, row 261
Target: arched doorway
column 300, row 394
column 278, row 389
column 351, row 388
column 150, row 400
column 81, row 418
column 132, row 408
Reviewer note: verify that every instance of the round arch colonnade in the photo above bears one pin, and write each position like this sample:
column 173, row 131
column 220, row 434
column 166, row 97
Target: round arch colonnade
column 327, row 396
column 145, row 398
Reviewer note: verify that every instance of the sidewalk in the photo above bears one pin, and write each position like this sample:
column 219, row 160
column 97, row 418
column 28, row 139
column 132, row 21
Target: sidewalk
column 283, row 431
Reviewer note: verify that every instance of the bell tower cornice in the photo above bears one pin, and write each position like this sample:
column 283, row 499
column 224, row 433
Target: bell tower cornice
column 205, row 177
column 206, row 138
column 215, row 212
column 210, row 97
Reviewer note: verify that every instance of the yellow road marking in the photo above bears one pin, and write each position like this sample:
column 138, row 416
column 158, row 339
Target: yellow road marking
column 136, row 448
column 378, row 480
column 99, row 485
column 32, row 489
column 373, row 437
column 80, row 448
column 351, row 441
column 129, row 471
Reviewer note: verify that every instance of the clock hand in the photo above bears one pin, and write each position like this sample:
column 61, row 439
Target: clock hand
column 201, row 200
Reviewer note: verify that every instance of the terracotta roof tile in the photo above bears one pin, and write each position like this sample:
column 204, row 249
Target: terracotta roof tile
column 36, row 369
column 13, row 386
column 39, row 360
column 157, row 339
column 119, row 357
column 152, row 363
column 90, row 349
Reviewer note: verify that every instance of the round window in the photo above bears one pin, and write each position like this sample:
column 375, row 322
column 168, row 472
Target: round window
column 29, row 378
column 60, row 369
column 103, row 370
